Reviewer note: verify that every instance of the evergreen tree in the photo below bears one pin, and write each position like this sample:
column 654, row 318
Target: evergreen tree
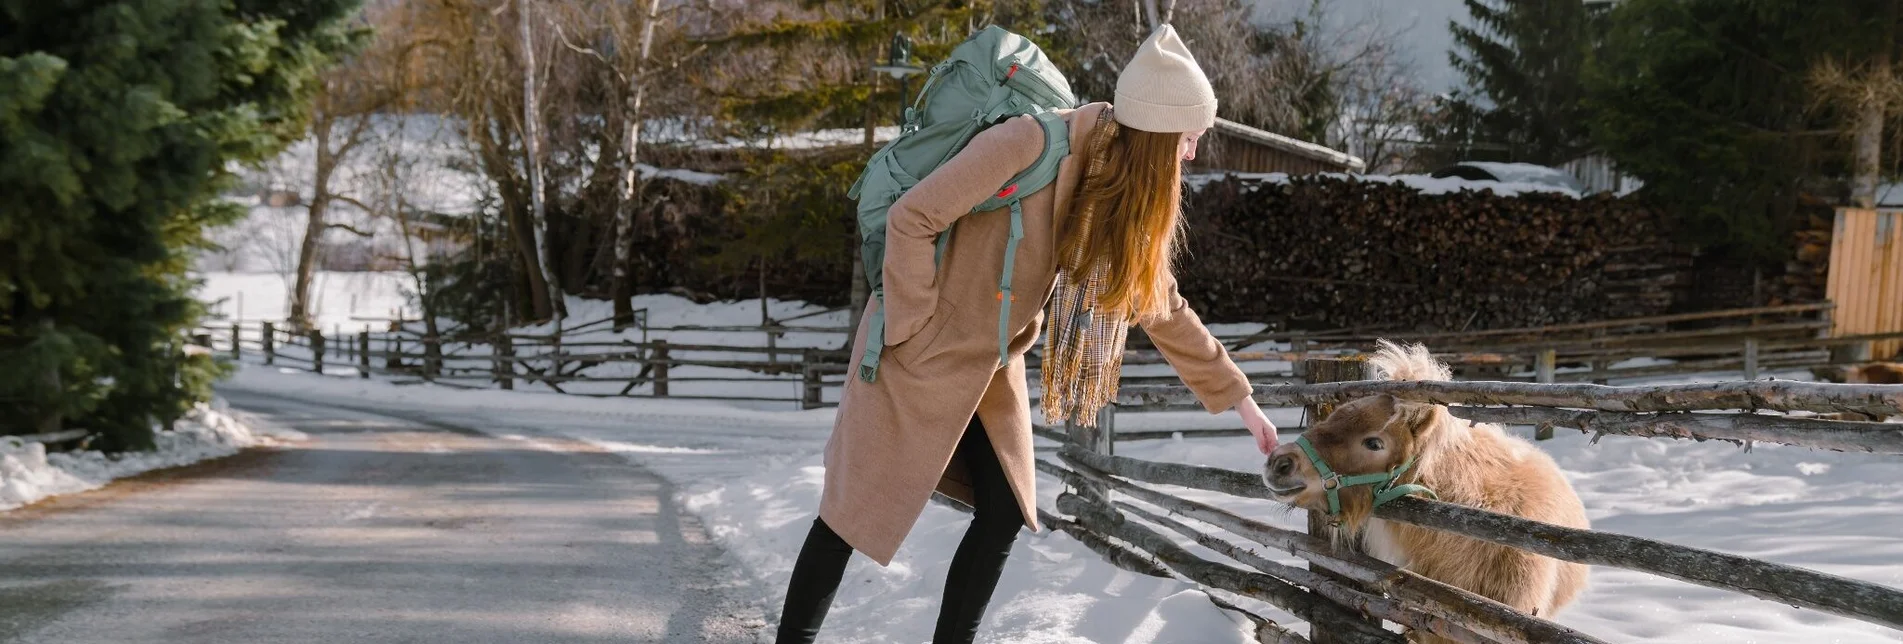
column 119, row 122
column 1525, row 59
column 1707, row 102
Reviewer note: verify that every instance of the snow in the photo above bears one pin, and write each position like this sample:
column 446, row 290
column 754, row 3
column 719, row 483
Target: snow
column 1419, row 182
column 678, row 174
column 347, row 301
column 417, row 158
column 28, row 473
column 752, row 471
column 1526, row 173
column 810, row 140
column 754, row 476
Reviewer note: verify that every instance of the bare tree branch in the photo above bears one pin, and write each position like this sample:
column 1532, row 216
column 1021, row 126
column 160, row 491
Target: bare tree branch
column 586, row 51
column 350, row 229
column 352, row 201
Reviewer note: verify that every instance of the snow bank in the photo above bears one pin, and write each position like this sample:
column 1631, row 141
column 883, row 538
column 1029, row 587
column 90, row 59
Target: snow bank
column 28, row 473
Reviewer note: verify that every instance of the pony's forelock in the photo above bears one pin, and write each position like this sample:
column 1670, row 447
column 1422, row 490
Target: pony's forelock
column 1406, row 362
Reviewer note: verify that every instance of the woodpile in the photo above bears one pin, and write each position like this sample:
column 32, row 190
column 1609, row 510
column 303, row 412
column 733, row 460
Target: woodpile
column 1807, row 273
column 1327, row 251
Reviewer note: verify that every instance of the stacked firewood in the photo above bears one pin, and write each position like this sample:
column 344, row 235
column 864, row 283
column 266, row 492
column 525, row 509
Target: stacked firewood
column 1807, row 273
column 1336, row 252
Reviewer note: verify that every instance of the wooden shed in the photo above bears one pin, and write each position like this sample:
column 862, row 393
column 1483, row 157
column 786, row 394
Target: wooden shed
column 1234, row 147
column 1866, row 276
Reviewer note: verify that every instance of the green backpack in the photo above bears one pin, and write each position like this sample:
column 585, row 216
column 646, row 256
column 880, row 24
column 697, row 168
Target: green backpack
column 990, row 77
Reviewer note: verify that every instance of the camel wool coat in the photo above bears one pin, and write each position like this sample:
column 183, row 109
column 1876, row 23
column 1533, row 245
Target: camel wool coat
column 894, row 439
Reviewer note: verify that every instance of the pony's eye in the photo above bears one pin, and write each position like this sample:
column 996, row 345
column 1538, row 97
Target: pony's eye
column 1373, row 443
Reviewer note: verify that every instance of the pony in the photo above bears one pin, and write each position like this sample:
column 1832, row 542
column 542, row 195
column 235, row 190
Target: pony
column 1383, row 447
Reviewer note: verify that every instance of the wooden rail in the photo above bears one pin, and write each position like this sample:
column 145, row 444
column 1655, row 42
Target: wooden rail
column 1785, row 584
column 1773, row 395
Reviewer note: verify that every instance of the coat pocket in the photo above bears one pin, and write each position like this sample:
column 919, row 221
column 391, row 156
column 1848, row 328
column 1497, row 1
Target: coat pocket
column 927, row 342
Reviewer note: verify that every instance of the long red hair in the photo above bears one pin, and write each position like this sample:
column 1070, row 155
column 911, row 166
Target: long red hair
column 1126, row 217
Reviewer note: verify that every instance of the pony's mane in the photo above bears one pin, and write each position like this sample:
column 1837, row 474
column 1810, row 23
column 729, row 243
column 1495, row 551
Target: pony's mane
column 1410, row 362
column 1440, row 450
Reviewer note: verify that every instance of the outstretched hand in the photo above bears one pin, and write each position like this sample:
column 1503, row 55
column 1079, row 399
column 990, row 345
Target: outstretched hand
column 1258, row 424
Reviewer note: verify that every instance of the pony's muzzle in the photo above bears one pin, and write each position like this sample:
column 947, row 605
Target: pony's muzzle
column 1281, row 477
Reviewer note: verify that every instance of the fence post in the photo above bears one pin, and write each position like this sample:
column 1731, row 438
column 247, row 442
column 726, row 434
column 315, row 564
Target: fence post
column 363, row 354
column 772, row 346
column 1750, row 358
column 660, row 361
column 270, row 343
column 1101, row 439
column 1544, row 365
column 1320, row 370
column 317, row 350
column 394, row 355
column 432, row 356
column 810, row 397
column 505, row 360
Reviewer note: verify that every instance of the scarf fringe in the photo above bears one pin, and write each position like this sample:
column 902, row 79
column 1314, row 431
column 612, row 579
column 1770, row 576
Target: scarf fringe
column 1083, row 352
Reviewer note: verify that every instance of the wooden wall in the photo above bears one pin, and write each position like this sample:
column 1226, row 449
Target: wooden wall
column 1866, row 276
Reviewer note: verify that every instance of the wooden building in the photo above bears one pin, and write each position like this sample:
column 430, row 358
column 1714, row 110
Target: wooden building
column 1866, row 277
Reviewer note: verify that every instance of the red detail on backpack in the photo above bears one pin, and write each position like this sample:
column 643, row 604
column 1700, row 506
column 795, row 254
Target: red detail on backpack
column 1008, row 191
column 1012, row 72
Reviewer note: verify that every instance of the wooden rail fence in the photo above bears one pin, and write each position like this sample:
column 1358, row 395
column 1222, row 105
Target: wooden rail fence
column 1347, row 596
column 1747, row 340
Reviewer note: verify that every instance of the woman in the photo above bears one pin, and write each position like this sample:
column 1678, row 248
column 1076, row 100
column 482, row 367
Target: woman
column 944, row 414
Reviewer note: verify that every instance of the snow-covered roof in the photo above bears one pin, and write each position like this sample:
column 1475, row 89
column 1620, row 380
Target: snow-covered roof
column 1517, row 173
column 1299, row 147
column 679, row 174
column 811, row 140
column 1419, row 182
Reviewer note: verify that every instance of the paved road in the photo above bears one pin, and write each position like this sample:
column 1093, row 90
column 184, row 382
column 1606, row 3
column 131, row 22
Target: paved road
column 377, row 529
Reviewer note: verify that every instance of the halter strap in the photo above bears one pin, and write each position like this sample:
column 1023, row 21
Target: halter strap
column 1387, row 484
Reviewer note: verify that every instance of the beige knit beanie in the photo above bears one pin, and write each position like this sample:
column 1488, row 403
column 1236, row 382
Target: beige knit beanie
column 1163, row 90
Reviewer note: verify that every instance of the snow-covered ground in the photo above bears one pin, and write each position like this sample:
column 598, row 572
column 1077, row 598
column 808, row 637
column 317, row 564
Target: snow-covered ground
column 349, row 302
column 752, row 472
column 28, row 473
column 754, row 475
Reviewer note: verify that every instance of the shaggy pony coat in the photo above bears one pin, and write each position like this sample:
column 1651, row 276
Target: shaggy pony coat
column 1471, row 464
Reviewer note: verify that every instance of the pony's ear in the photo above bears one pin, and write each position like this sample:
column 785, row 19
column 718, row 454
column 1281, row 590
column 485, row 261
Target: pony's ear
column 1417, row 419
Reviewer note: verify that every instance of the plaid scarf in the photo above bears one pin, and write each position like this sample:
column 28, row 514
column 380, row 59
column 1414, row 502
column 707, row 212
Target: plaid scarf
column 1083, row 347
column 1083, row 351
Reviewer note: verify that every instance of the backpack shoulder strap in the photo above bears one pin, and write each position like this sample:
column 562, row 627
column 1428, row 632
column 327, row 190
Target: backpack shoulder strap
column 1041, row 172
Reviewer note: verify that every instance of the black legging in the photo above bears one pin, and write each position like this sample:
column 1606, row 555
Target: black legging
column 974, row 568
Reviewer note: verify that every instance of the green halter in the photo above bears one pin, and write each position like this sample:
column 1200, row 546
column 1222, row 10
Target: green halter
column 1386, row 489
